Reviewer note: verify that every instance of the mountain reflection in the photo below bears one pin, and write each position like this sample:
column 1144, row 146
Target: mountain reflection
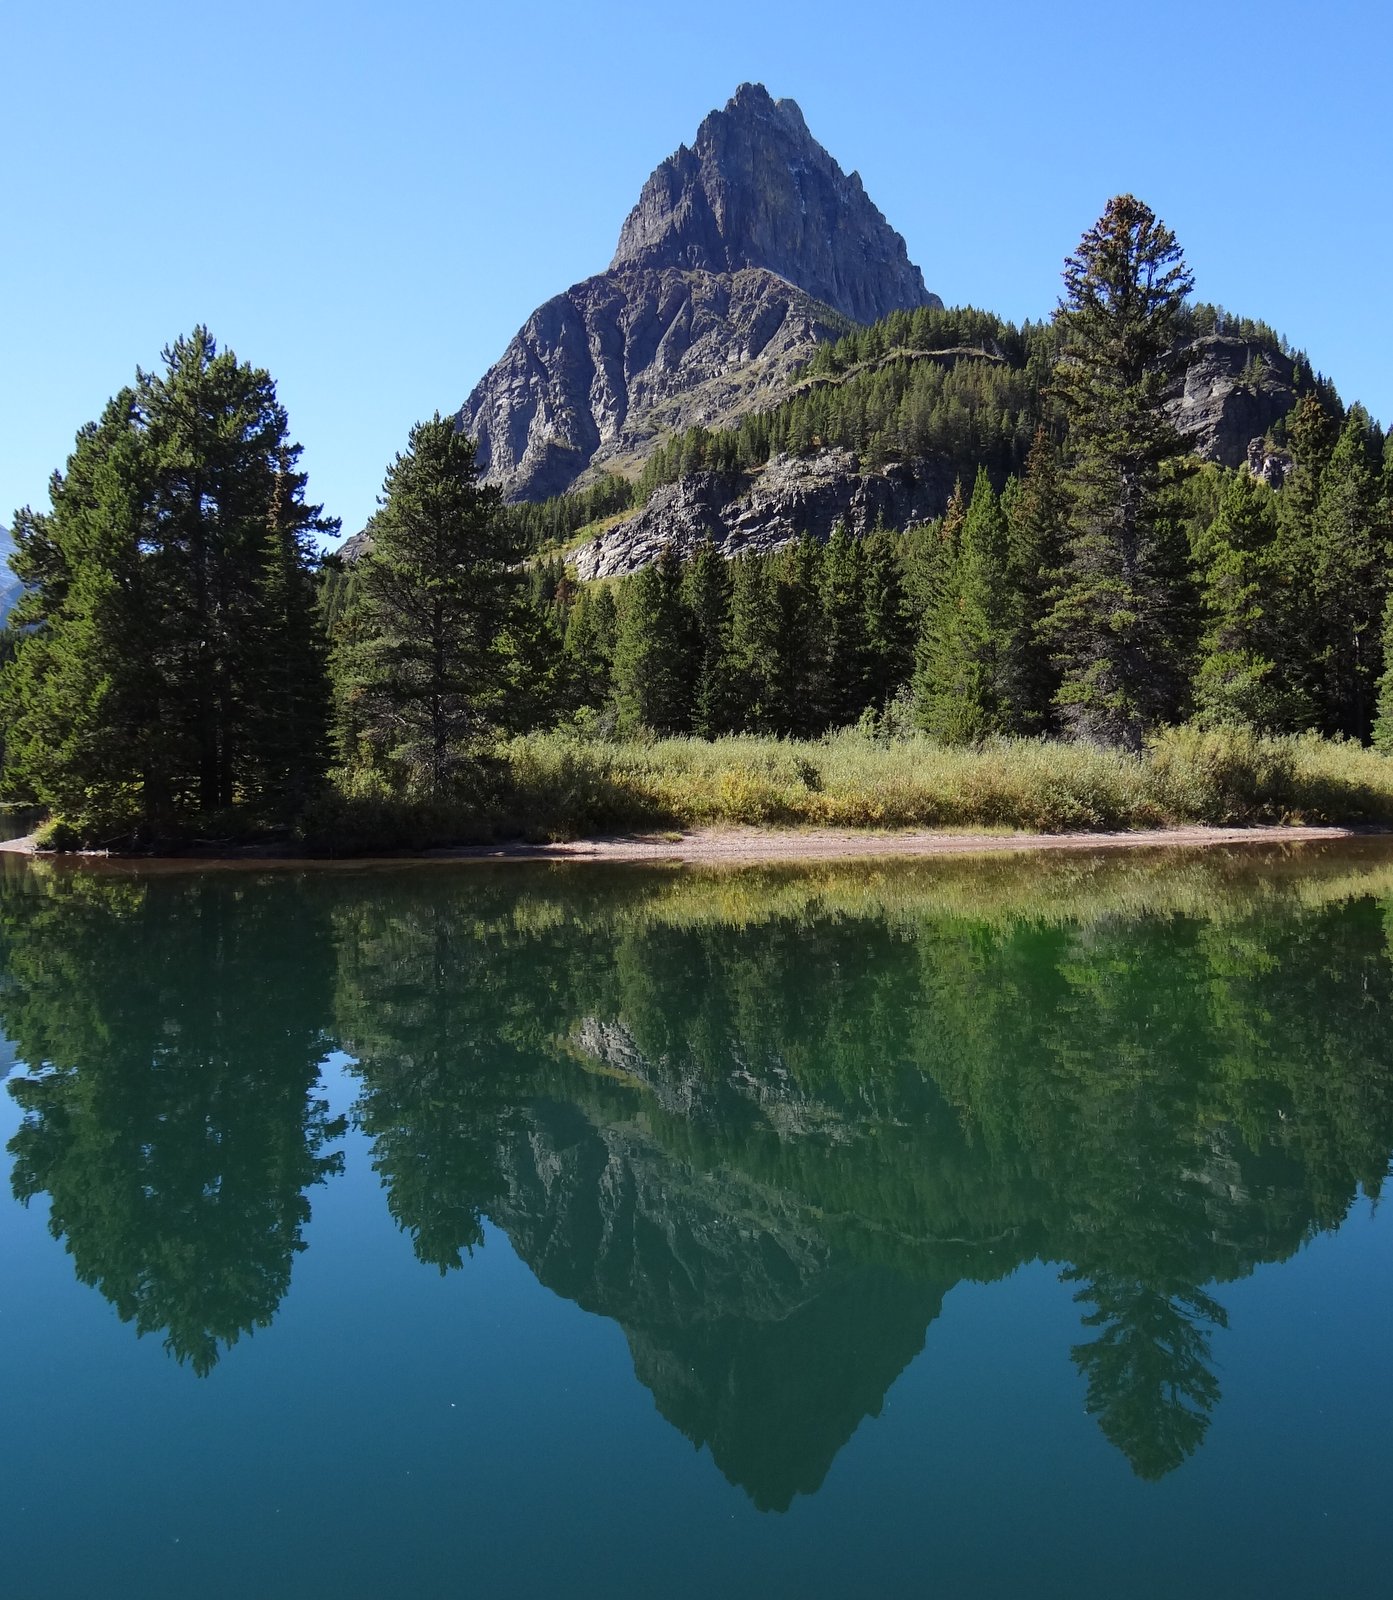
column 765, row 1122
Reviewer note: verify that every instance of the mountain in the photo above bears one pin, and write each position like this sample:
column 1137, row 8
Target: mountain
column 741, row 255
column 10, row 586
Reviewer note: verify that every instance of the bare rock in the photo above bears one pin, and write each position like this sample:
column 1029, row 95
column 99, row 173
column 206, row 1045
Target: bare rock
column 792, row 496
column 1271, row 466
column 757, row 190
column 1227, row 392
column 600, row 372
column 741, row 255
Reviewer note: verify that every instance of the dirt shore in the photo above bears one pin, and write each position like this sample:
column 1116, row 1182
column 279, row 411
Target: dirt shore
column 714, row 846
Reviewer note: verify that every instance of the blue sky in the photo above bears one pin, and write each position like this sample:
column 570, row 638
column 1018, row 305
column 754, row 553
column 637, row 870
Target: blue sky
column 368, row 201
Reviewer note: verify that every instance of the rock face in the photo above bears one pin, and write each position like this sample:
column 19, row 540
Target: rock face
column 792, row 496
column 757, row 190
column 1229, row 392
column 1226, row 394
column 741, row 254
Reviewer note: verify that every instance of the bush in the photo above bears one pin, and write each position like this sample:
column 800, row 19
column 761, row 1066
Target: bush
column 57, row 836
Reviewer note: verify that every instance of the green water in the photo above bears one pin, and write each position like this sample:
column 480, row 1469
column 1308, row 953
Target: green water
column 995, row 1227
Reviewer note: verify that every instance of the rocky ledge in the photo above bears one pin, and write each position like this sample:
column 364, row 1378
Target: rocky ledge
column 793, row 495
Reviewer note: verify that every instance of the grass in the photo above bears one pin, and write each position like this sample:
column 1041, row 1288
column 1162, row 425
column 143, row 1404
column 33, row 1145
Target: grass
column 559, row 785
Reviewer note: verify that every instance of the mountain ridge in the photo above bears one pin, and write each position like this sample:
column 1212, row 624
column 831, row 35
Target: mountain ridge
column 742, row 254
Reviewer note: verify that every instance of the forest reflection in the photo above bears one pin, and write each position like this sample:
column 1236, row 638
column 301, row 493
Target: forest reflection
column 764, row 1120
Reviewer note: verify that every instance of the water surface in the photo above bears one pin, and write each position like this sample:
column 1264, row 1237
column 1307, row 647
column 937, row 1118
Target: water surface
column 981, row 1226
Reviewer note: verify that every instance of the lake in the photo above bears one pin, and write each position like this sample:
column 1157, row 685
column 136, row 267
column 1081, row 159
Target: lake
column 973, row 1227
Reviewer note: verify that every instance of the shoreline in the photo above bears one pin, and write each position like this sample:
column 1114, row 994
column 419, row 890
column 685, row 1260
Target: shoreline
column 714, row 846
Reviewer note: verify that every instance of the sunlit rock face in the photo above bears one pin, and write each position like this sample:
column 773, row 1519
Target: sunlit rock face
column 742, row 253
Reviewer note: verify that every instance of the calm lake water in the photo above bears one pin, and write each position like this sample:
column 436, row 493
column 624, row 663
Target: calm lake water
column 961, row 1228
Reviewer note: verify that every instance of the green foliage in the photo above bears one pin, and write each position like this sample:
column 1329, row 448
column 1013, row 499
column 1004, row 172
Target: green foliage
column 962, row 687
column 707, row 596
column 171, row 665
column 554, row 522
column 1239, row 679
column 1119, row 624
column 1035, row 512
column 1383, row 720
column 427, row 658
column 653, row 651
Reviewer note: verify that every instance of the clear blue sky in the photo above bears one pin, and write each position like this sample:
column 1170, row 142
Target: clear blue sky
column 368, row 200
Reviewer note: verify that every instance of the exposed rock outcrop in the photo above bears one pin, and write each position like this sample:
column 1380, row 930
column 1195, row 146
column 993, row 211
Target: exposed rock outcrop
column 1228, row 392
column 1271, row 466
column 600, row 372
column 792, row 496
column 741, row 254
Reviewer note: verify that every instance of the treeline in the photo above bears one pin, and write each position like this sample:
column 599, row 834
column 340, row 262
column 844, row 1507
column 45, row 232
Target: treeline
column 1275, row 605
column 176, row 666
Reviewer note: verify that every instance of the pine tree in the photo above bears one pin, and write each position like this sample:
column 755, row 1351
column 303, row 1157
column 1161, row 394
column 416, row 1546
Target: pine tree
column 960, row 686
column 886, row 630
column 1239, row 677
column 844, row 636
column 800, row 663
column 652, row 653
column 1348, row 579
column 754, row 644
column 1034, row 510
column 173, row 666
column 591, row 629
column 707, row 592
column 289, row 709
column 1118, row 626
column 1383, row 718
column 423, row 680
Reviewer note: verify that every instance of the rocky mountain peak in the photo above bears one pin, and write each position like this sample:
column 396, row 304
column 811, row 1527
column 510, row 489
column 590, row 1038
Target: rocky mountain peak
column 757, row 190
column 743, row 253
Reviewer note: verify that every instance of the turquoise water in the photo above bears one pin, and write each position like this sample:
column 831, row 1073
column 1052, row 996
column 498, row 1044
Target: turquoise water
column 961, row 1228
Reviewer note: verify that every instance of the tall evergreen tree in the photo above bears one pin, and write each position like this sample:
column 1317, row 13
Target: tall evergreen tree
column 652, row 653
column 754, row 644
column 424, row 674
column 888, row 637
column 591, row 629
column 960, row 686
column 844, row 633
column 1240, row 677
column 1383, row 709
column 1119, row 624
column 173, row 666
column 707, row 588
column 1347, row 579
column 800, row 660
column 1035, row 511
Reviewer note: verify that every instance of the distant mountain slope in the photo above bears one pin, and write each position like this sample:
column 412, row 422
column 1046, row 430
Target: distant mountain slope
column 10, row 586
column 742, row 253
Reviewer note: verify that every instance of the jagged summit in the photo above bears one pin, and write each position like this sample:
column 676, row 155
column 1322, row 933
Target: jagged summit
column 757, row 190
column 742, row 253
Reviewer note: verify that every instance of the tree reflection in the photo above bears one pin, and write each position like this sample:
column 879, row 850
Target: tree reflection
column 1150, row 1383
column 173, row 1032
column 764, row 1122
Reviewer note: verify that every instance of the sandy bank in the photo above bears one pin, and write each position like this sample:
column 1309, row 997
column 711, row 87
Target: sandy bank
column 713, row 846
